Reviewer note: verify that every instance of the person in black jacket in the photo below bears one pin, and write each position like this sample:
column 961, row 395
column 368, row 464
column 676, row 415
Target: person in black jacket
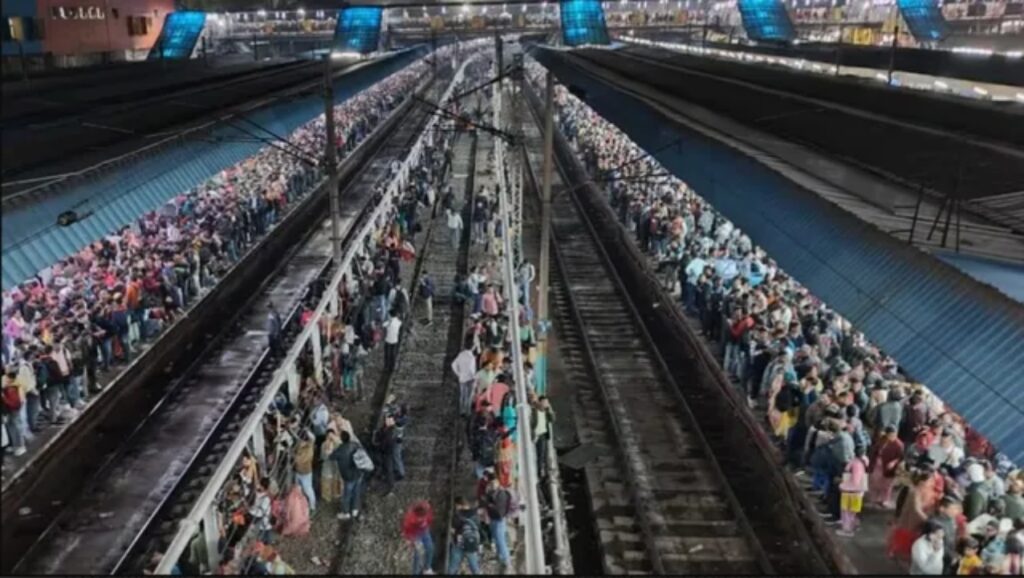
column 344, row 456
column 498, row 504
column 482, row 436
column 466, row 538
column 54, row 382
column 386, row 443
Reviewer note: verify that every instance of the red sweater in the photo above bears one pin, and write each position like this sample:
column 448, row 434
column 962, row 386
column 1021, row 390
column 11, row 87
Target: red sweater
column 413, row 526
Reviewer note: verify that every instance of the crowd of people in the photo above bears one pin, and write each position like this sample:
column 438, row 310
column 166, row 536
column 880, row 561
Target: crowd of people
column 485, row 379
column 840, row 409
column 311, row 454
column 94, row 309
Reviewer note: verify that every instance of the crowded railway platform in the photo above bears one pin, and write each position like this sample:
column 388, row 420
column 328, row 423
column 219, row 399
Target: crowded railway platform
column 475, row 320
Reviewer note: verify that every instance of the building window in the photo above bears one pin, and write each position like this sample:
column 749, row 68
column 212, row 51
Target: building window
column 114, row 13
column 22, row 29
column 138, row 25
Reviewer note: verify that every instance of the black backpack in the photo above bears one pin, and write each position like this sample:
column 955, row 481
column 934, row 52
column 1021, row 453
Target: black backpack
column 469, row 536
column 786, row 398
column 486, row 452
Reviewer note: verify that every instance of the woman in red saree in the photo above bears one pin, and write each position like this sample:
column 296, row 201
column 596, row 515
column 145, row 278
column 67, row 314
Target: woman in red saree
column 886, row 456
column 912, row 516
column 296, row 513
column 505, row 464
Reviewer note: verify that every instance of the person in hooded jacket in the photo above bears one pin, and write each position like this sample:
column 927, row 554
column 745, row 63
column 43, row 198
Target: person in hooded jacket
column 416, row 526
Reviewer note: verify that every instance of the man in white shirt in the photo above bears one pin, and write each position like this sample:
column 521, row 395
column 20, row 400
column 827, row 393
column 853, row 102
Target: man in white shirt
column 455, row 227
column 464, row 367
column 527, row 273
column 693, row 271
column 392, row 331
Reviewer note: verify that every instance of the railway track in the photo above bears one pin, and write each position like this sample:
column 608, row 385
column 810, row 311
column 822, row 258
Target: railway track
column 133, row 501
column 781, row 535
column 422, row 381
column 162, row 531
column 661, row 502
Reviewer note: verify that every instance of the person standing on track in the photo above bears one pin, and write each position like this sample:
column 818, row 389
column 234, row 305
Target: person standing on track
column 465, row 538
column 304, row 468
column 393, row 331
column 399, row 415
column 464, row 368
column 498, row 502
column 386, row 444
column 351, row 475
column 427, row 294
column 454, row 226
column 261, row 512
column 527, row 273
column 542, row 420
column 416, row 531
column 274, row 327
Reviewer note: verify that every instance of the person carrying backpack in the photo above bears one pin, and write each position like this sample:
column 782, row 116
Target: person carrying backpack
column 466, row 538
column 386, row 443
column 353, row 465
column 483, row 440
column 498, row 502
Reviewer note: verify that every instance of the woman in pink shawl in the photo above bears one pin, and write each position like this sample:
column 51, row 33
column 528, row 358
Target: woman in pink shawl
column 296, row 513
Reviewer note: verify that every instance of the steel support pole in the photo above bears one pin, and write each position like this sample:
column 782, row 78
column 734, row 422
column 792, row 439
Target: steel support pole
column 917, row 212
column 545, row 235
column 519, row 153
column 331, row 162
column 892, row 53
column 498, row 53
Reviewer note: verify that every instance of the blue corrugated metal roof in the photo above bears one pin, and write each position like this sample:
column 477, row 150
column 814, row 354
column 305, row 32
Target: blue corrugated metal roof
column 963, row 339
column 32, row 241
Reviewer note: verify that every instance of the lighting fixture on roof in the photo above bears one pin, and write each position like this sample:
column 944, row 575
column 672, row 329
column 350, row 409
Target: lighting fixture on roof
column 972, row 51
column 941, row 85
column 980, row 91
column 465, row 8
column 301, row 11
column 1020, row 96
column 261, row 13
column 68, row 218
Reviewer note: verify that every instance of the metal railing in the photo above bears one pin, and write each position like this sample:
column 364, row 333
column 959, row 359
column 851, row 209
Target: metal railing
column 203, row 515
column 534, row 545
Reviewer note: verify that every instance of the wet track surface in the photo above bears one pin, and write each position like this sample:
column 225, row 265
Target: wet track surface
column 97, row 529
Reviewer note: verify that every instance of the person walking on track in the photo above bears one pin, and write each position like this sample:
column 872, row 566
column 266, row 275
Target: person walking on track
column 465, row 539
column 416, row 531
column 427, row 294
